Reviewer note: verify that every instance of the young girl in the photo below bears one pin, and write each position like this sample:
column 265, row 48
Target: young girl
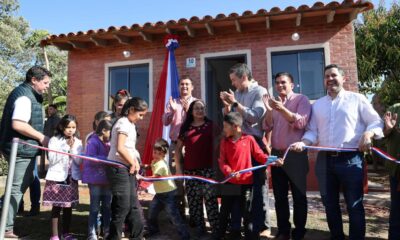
column 197, row 136
column 123, row 180
column 102, row 115
column 61, row 189
column 120, row 97
column 95, row 176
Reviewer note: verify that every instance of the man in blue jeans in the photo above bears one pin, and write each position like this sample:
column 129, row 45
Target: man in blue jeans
column 341, row 119
column 23, row 119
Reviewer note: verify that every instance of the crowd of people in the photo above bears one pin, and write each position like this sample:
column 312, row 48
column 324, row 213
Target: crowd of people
column 255, row 125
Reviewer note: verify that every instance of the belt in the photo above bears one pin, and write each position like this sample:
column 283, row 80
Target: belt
column 340, row 154
column 174, row 142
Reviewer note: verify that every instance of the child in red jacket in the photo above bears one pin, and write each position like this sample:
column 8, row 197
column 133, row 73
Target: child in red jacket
column 236, row 151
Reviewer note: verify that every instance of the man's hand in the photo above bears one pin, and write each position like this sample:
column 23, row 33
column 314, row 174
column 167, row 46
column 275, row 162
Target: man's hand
column 45, row 141
column 365, row 142
column 266, row 99
column 390, row 120
column 279, row 162
column 228, row 97
column 185, row 104
column 298, row 146
column 173, row 104
column 276, row 104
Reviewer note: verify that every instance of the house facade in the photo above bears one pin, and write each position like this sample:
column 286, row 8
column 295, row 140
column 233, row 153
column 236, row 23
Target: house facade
column 297, row 40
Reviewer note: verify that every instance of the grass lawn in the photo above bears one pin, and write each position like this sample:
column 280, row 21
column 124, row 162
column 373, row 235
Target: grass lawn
column 39, row 227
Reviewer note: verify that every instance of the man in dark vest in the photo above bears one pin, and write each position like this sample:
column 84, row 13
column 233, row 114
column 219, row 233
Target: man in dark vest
column 23, row 119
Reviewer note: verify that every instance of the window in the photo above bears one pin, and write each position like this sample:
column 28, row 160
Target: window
column 306, row 67
column 135, row 78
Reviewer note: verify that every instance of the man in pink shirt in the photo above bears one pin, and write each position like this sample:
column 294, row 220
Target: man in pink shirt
column 287, row 117
column 174, row 116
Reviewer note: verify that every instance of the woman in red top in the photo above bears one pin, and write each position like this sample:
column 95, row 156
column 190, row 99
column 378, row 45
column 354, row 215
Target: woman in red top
column 196, row 137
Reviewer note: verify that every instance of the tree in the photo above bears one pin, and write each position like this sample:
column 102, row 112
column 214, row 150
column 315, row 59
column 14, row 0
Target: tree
column 378, row 52
column 19, row 50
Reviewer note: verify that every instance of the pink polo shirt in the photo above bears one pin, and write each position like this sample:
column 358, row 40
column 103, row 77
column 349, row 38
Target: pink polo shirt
column 175, row 119
column 283, row 132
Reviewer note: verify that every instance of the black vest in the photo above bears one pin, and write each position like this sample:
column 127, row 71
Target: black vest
column 7, row 133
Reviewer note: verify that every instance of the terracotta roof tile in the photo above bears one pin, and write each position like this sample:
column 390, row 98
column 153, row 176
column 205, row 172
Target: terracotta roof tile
column 160, row 26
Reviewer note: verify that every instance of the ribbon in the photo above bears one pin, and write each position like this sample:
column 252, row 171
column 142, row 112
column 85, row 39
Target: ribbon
column 381, row 153
column 270, row 160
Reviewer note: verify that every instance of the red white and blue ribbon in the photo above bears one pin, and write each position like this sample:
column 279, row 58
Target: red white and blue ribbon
column 270, row 161
column 381, row 153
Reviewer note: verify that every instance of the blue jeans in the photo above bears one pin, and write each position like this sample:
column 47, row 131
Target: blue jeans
column 23, row 177
column 394, row 219
column 344, row 171
column 167, row 201
column 34, row 189
column 99, row 195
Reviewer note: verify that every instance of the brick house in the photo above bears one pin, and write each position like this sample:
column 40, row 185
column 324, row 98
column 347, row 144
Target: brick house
column 265, row 40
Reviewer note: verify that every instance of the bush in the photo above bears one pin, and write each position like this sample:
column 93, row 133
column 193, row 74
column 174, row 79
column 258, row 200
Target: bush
column 3, row 166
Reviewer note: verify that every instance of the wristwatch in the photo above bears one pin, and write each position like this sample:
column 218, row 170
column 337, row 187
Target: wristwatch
column 235, row 105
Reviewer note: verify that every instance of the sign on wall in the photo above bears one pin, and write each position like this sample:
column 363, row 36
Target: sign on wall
column 190, row 62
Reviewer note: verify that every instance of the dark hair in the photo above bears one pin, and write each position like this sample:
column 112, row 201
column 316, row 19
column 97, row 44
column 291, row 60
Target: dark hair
column 37, row 72
column 161, row 145
column 234, row 118
column 284, row 74
column 119, row 95
column 53, row 106
column 98, row 117
column 136, row 104
column 330, row 66
column 189, row 117
column 63, row 123
column 103, row 124
column 240, row 70
column 184, row 77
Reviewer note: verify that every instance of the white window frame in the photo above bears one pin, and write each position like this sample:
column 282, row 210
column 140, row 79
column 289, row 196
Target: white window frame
column 203, row 57
column 107, row 67
column 271, row 50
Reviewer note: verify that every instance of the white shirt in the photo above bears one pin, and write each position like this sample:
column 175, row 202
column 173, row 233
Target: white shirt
column 340, row 122
column 22, row 109
column 123, row 126
column 61, row 164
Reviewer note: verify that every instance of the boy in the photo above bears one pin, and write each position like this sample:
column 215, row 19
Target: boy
column 236, row 150
column 165, row 193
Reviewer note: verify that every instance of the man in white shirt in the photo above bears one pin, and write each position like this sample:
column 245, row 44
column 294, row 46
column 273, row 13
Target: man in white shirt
column 341, row 119
column 23, row 118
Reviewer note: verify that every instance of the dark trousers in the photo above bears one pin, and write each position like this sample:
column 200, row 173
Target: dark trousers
column 344, row 171
column 124, row 204
column 394, row 219
column 237, row 199
column 166, row 201
column 293, row 174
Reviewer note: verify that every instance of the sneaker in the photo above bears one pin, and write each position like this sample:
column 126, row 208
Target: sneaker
column 68, row 236
column 54, row 238
column 10, row 234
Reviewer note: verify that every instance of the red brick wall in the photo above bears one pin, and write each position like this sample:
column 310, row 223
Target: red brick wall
column 86, row 67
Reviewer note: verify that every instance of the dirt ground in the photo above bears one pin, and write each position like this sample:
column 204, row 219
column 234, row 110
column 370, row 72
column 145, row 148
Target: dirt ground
column 38, row 227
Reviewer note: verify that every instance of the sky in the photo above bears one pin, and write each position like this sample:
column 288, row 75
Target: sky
column 57, row 16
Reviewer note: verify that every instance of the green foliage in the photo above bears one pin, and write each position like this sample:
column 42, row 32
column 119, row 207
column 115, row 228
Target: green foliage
column 19, row 50
column 378, row 53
